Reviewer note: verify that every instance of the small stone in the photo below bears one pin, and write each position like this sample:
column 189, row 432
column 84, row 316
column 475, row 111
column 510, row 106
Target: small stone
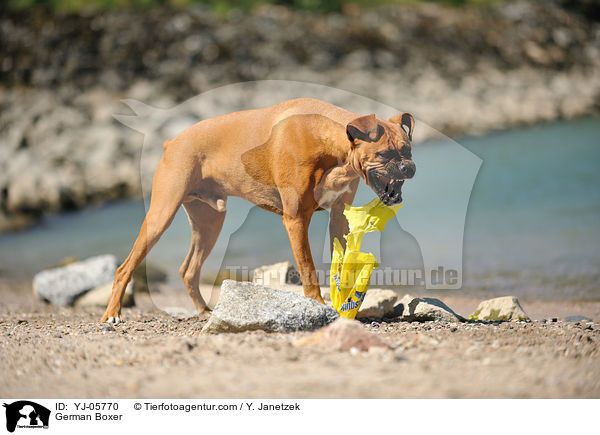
column 244, row 306
column 146, row 275
column 425, row 309
column 99, row 297
column 108, row 327
column 276, row 274
column 577, row 319
column 181, row 313
column 344, row 334
column 378, row 304
column 63, row 285
column 401, row 308
column 378, row 350
column 506, row 308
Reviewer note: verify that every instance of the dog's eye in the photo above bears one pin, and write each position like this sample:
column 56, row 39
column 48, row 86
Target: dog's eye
column 386, row 155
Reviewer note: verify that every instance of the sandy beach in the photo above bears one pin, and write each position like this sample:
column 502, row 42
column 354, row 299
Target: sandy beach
column 48, row 351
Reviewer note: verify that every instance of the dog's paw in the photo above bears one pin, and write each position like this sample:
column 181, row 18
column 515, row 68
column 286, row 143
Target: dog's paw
column 111, row 315
column 114, row 320
column 108, row 318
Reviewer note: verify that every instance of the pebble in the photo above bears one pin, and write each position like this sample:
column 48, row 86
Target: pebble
column 577, row 319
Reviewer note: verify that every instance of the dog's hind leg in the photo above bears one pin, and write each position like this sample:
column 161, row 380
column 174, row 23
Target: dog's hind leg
column 206, row 223
column 169, row 188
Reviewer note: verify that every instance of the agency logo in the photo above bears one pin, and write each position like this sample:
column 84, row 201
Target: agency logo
column 25, row 414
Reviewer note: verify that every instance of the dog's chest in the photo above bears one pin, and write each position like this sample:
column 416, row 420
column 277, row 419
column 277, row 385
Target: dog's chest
column 328, row 197
column 332, row 186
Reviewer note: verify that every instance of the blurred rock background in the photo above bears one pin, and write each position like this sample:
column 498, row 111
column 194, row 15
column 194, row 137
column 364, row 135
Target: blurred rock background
column 462, row 67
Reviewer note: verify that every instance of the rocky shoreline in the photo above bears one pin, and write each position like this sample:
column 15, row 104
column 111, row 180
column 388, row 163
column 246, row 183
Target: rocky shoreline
column 459, row 71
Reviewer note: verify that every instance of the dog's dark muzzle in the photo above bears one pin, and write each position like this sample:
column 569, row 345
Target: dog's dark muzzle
column 388, row 187
column 389, row 190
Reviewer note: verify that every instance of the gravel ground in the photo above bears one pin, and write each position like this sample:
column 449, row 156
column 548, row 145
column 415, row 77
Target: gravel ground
column 47, row 351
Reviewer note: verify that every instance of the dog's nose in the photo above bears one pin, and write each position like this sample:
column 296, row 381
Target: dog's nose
column 407, row 167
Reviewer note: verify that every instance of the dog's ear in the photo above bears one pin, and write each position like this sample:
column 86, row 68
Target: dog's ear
column 406, row 121
column 365, row 128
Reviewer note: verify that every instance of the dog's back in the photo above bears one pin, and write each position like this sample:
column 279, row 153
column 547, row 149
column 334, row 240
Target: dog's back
column 248, row 129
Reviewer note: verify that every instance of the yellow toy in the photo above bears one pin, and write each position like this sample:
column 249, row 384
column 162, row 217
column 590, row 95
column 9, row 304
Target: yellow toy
column 351, row 269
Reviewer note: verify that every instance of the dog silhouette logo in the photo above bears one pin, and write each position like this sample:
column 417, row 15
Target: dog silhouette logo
column 26, row 414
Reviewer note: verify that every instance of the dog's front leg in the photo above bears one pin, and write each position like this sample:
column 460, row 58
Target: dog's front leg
column 297, row 229
column 338, row 224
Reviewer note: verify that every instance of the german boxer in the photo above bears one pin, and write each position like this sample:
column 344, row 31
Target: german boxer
column 292, row 159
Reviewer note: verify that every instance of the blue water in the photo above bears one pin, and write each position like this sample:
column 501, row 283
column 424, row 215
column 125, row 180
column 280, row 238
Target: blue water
column 532, row 225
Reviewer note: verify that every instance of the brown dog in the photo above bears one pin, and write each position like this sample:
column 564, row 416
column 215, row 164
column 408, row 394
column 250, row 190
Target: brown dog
column 293, row 159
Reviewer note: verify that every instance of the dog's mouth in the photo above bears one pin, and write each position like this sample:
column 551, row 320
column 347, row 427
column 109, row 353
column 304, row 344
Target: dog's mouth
column 389, row 190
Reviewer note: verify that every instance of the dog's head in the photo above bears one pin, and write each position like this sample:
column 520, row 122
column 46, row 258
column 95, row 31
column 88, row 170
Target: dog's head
column 381, row 151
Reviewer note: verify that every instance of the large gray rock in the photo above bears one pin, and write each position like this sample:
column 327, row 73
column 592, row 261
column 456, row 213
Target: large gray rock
column 506, row 309
column 276, row 274
column 99, row 297
column 62, row 285
column 425, row 309
column 378, row 304
column 244, row 306
column 298, row 289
